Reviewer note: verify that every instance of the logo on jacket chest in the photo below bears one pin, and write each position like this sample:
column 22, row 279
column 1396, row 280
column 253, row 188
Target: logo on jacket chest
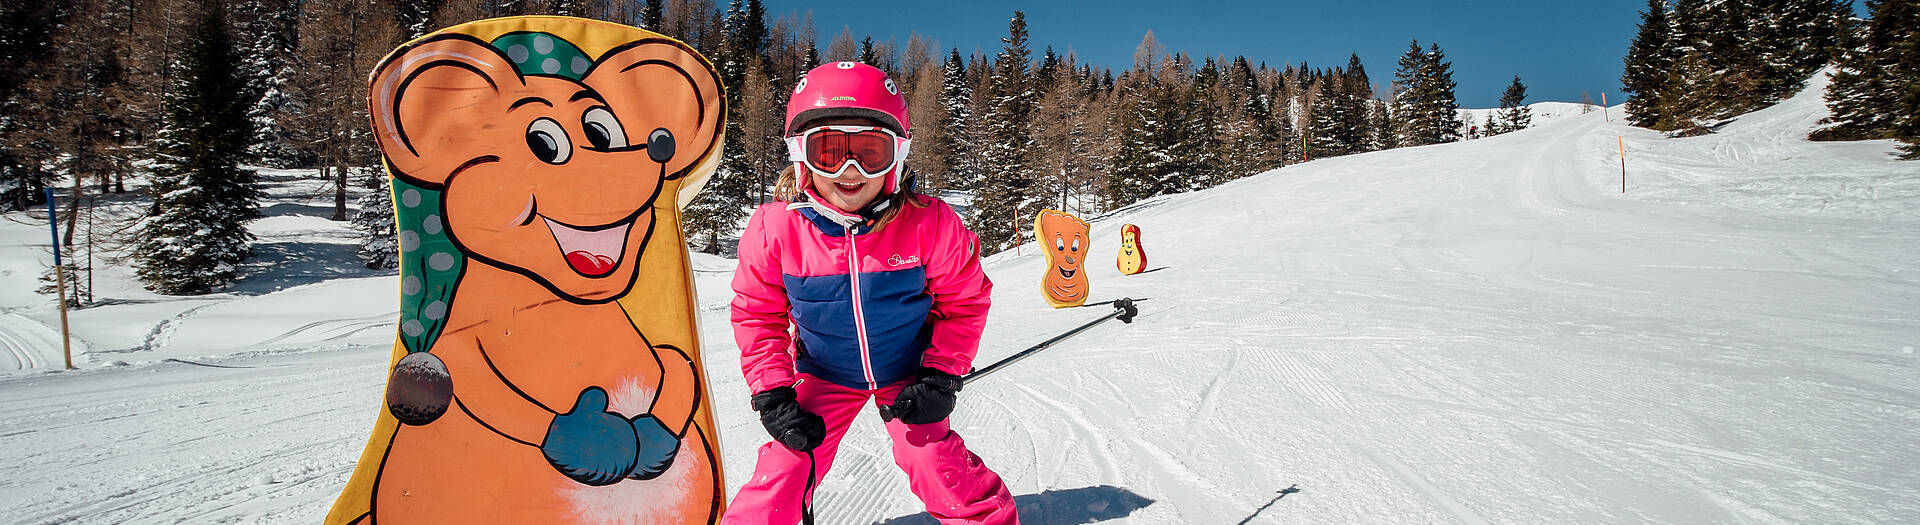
column 897, row 261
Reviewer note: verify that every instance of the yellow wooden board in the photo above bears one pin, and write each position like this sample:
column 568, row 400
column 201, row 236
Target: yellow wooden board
column 547, row 366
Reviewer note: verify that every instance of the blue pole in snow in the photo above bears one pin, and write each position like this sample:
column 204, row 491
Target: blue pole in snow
column 53, row 227
column 59, row 275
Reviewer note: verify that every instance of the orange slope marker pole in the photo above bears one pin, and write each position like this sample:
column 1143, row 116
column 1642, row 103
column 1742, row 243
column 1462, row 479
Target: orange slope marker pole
column 1604, row 112
column 1623, row 163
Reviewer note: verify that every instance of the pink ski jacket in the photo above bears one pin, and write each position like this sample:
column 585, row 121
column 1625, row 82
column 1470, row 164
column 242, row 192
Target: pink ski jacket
column 819, row 292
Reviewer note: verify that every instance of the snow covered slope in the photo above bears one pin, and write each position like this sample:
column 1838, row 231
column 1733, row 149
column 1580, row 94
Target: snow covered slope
column 1545, row 112
column 1481, row 332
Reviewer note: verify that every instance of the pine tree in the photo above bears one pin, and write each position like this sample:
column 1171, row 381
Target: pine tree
column 1514, row 114
column 1284, row 104
column 731, row 192
column 974, row 132
column 196, row 237
column 1199, row 150
column 1250, row 131
column 1439, row 85
column 1647, row 63
column 1425, row 108
column 269, row 70
column 1381, row 137
column 1335, row 111
column 414, row 17
column 1906, row 72
column 651, row 15
column 951, row 143
column 1874, row 75
column 1360, row 95
column 1142, row 153
column 379, row 247
column 1686, row 104
column 1010, row 188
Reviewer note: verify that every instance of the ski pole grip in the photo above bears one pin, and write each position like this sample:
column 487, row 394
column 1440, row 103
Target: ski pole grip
column 1126, row 308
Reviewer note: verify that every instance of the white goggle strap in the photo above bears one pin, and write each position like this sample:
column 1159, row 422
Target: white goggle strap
column 796, row 151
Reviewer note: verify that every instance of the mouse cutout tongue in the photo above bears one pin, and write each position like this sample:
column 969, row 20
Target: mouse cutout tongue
column 590, row 252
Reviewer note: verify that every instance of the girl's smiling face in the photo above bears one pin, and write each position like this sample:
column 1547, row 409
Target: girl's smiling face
column 849, row 191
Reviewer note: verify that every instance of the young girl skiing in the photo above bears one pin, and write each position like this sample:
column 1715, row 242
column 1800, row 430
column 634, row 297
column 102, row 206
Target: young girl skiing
column 855, row 288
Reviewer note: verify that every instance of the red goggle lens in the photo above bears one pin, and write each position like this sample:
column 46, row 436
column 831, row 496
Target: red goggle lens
column 827, row 150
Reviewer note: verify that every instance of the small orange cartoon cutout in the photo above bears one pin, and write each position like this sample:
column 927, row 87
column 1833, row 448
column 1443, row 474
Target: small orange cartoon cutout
column 1063, row 238
column 546, row 368
column 1133, row 257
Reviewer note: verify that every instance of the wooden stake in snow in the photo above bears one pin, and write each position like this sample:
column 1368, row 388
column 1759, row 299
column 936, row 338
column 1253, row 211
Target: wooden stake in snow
column 59, row 277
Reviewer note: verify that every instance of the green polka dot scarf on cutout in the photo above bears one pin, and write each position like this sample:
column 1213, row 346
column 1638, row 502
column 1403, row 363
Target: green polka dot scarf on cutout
column 430, row 263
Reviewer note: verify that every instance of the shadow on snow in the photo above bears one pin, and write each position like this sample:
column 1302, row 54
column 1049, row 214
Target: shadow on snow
column 1061, row 507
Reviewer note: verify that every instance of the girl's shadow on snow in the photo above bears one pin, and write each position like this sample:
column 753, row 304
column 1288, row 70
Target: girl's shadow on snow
column 1061, row 507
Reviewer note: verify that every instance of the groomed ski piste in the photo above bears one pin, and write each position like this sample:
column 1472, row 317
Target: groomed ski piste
column 1486, row 332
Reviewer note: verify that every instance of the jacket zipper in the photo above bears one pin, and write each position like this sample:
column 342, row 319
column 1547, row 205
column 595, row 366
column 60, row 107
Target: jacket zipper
column 859, row 312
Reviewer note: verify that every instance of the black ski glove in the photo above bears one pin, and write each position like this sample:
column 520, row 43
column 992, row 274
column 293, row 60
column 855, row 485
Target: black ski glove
column 789, row 424
column 927, row 400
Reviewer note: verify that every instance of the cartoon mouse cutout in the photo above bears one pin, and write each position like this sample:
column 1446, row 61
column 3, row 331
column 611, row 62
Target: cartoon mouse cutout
column 539, row 400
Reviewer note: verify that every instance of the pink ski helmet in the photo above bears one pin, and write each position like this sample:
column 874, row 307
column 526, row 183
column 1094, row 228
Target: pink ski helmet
column 851, row 89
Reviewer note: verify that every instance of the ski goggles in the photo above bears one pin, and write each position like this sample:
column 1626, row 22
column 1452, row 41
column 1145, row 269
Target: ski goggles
column 827, row 150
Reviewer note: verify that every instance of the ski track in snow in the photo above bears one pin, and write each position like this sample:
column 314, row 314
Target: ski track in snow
column 26, row 342
column 199, row 445
column 1482, row 332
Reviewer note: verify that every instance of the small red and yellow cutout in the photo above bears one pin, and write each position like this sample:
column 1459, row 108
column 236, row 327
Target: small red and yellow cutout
column 1133, row 257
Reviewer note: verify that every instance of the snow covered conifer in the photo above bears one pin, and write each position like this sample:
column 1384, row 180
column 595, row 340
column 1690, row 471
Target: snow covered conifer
column 1872, row 94
column 1380, row 135
column 953, row 143
column 268, row 70
column 1514, row 114
column 1008, row 188
column 1686, row 103
column 196, row 237
column 379, row 246
column 1331, row 132
column 1647, row 63
column 730, row 193
column 1425, row 107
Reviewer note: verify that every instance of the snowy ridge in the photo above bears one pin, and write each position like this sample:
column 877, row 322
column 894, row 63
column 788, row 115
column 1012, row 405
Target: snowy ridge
column 1545, row 112
column 1479, row 332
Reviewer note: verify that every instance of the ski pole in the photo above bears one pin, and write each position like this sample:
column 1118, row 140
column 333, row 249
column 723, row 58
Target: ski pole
column 1123, row 310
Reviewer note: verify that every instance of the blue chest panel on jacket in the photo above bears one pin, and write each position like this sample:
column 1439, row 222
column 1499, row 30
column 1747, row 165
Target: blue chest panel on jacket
column 894, row 307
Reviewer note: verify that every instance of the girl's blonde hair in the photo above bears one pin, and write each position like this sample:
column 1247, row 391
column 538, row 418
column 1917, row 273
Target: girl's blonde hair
column 787, row 189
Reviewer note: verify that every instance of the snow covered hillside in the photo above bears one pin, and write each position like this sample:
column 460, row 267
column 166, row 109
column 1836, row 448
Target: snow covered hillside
column 1545, row 112
column 1480, row 332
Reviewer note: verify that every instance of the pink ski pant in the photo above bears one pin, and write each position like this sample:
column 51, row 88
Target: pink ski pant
column 955, row 486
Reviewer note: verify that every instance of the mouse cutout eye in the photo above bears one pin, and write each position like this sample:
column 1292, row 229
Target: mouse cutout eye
column 1059, row 245
column 1076, row 245
column 602, row 129
column 549, row 142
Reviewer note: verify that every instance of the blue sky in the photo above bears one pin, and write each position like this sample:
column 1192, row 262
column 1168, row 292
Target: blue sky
column 1560, row 49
